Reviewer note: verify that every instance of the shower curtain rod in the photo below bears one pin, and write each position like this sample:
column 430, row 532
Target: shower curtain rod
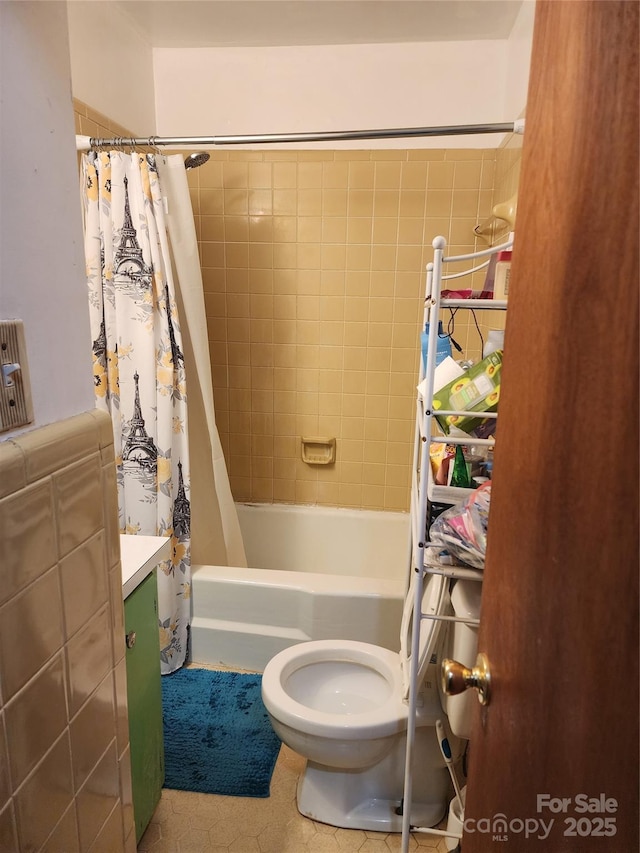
column 84, row 143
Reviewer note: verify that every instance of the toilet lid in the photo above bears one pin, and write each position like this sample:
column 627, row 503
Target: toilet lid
column 434, row 602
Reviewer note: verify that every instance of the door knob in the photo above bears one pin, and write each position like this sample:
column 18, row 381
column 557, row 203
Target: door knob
column 456, row 678
column 130, row 639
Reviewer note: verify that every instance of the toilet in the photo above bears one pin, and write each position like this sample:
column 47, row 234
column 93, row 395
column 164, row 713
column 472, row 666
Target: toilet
column 343, row 705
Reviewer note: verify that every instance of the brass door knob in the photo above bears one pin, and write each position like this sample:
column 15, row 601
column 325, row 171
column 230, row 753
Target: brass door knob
column 456, row 678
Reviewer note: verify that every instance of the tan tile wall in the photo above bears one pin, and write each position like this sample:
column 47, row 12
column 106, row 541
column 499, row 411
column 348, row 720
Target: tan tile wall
column 313, row 265
column 64, row 744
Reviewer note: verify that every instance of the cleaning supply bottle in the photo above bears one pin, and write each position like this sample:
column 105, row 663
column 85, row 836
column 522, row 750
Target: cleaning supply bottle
column 460, row 476
column 443, row 346
column 503, row 274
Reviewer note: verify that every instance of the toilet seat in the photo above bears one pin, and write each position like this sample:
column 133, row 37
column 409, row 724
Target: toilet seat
column 366, row 659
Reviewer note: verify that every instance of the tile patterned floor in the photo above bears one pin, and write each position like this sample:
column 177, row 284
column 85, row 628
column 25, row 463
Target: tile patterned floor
column 207, row 823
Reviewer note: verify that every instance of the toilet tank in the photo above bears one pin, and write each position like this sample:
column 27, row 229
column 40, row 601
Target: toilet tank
column 462, row 645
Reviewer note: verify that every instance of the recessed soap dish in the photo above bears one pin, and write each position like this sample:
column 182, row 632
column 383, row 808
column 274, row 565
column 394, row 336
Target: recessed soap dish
column 318, row 450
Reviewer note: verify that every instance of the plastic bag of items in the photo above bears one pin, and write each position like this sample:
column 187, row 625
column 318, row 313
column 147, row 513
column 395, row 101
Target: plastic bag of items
column 462, row 529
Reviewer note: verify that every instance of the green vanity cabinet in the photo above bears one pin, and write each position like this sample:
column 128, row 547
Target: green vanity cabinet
column 144, row 695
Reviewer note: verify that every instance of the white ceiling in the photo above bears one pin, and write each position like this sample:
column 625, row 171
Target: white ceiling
column 225, row 23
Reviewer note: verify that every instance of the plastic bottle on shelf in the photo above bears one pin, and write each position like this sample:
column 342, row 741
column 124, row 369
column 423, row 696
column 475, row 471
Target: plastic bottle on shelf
column 443, row 346
column 461, row 470
column 489, row 280
column 502, row 276
column 495, row 341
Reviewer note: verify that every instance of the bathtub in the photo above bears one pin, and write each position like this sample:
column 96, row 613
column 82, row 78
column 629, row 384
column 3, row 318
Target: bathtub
column 316, row 573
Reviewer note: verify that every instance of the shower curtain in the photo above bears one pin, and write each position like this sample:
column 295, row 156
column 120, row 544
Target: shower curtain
column 141, row 355
column 216, row 536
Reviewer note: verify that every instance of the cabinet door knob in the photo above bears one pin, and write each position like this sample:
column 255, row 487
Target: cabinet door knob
column 457, row 678
column 131, row 639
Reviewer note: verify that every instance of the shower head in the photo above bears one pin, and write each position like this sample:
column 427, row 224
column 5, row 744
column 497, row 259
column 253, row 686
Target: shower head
column 197, row 159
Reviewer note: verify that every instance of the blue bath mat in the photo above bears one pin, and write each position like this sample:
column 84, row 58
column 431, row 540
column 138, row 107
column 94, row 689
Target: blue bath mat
column 217, row 734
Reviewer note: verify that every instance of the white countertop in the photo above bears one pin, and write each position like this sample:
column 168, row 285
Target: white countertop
column 139, row 556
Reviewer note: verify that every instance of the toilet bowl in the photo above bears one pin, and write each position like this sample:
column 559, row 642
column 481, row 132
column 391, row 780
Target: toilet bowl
column 343, row 705
column 317, row 687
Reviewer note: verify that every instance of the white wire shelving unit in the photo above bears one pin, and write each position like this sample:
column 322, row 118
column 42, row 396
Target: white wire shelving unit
column 424, row 490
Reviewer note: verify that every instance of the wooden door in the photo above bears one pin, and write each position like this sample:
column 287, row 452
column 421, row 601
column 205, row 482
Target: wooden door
column 560, row 599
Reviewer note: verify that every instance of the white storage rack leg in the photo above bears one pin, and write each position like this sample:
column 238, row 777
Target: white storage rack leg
column 423, row 489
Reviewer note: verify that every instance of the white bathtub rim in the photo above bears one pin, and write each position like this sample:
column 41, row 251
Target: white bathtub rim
column 380, row 514
column 310, row 582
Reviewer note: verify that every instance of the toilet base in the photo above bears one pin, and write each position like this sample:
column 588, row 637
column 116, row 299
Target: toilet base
column 371, row 813
column 370, row 798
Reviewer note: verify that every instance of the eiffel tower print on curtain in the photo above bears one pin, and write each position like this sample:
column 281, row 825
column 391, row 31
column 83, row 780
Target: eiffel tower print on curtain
column 99, row 346
column 129, row 268
column 181, row 509
column 139, row 447
column 176, row 352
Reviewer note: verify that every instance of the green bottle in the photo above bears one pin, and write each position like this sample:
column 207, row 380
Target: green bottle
column 460, row 477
